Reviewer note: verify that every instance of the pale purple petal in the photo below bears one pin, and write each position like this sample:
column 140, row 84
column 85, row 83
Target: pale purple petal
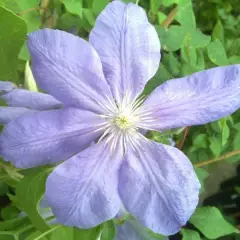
column 8, row 114
column 47, row 137
column 82, row 191
column 132, row 230
column 6, row 87
column 68, row 68
column 197, row 99
column 158, row 185
column 128, row 46
column 32, row 100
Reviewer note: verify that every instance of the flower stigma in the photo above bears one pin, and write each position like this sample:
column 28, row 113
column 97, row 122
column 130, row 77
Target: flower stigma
column 122, row 123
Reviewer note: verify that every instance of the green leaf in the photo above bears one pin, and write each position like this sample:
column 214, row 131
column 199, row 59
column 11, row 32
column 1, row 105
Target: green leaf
column 12, row 36
column 160, row 137
column 187, row 69
column 6, row 237
column 218, row 32
column 129, row 1
column 167, row 3
column 161, row 17
column 32, row 18
column 190, row 234
column 200, row 66
column 211, row 223
column 24, row 53
column 98, row 6
column 68, row 21
column 57, row 232
column 215, row 126
column 9, row 212
column 154, row 6
column 237, row 126
column 225, row 134
column 185, row 14
column 202, row 175
column 172, row 64
column 236, row 141
column 152, row 235
column 63, row 233
column 3, row 188
column 217, row 53
column 189, row 54
column 162, row 75
column 13, row 224
column 215, row 145
column 87, row 234
column 74, row 6
column 109, row 231
column 234, row 60
column 172, row 38
column 200, row 141
column 35, row 235
column 89, row 17
column 11, row 5
column 197, row 39
column 29, row 192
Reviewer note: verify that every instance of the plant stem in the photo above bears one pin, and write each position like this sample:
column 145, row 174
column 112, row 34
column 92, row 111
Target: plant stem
column 180, row 145
column 6, row 233
column 28, row 11
column 171, row 16
column 47, row 232
column 225, row 156
column 44, row 6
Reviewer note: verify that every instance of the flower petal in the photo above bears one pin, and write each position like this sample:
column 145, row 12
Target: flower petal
column 157, row 184
column 28, row 99
column 47, row 137
column 128, row 46
column 8, row 114
column 82, row 191
column 68, row 68
column 197, row 99
column 6, row 87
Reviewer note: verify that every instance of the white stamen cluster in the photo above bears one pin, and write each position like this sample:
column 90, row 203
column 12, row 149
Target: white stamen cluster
column 123, row 121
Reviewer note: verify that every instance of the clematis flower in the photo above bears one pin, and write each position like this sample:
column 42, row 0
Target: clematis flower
column 99, row 84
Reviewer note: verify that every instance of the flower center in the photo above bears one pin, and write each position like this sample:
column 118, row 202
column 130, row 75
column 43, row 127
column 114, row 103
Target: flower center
column 123, row 122
column 124, row 118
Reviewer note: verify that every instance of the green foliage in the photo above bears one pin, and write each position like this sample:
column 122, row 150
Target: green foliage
column 172, row 38
column 190, row 234
column 32, row 18
column 29, row 192
column 185, row 15
column 12, row 36
column 109, row 231
column 211, row 223
column 98, row 6
column 202, row 175
column 88, row 234
column 217, row 53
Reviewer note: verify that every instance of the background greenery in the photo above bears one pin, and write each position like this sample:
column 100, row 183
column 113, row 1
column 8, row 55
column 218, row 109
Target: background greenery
column 194, row 35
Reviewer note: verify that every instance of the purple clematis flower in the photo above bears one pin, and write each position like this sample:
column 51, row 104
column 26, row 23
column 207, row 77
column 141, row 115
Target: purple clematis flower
column 99, row 84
